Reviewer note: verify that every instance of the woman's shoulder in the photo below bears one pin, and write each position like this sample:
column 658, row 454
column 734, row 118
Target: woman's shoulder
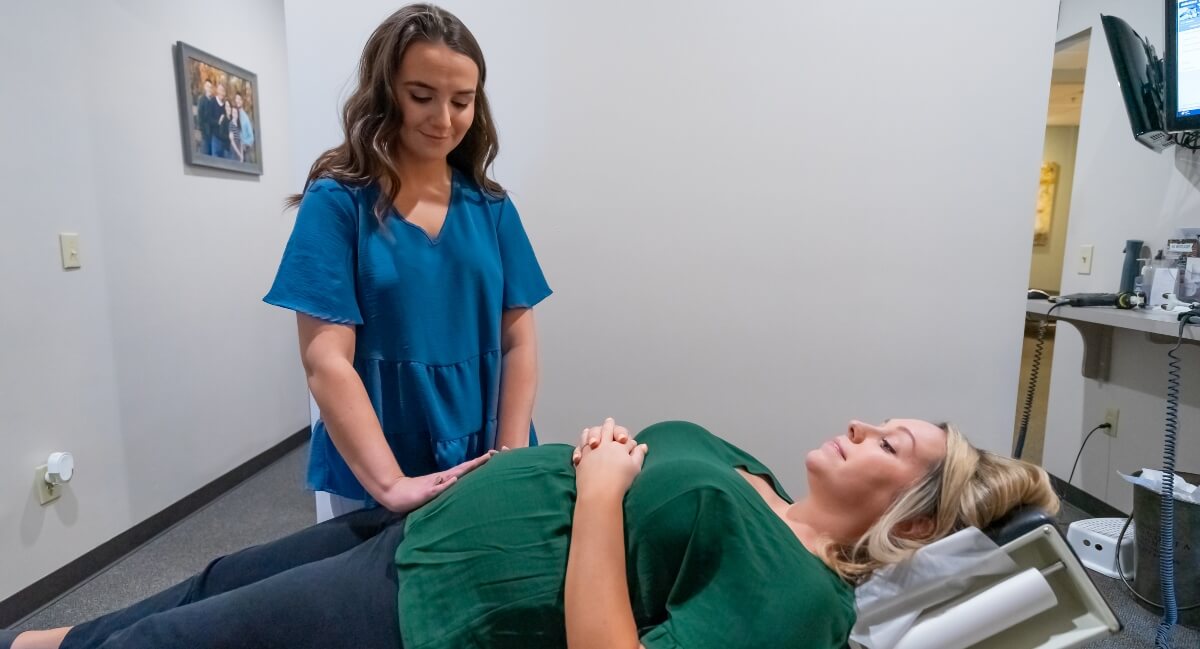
column 327, row 194
column 330, row 185
column 472, row 193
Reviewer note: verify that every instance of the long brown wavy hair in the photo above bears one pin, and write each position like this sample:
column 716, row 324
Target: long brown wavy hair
column 371, row 118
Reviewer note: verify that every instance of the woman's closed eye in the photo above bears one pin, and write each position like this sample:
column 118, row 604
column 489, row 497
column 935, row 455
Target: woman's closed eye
column 460, row 105
column 887, row 446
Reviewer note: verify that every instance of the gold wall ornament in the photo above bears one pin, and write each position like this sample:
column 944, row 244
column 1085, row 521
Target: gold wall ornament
column 1047, row 188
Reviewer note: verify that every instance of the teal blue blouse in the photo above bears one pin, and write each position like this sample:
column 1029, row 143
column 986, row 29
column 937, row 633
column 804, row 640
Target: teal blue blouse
column 426, row 310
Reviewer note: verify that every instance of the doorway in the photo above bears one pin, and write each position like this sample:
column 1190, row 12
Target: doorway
column 1050, row 226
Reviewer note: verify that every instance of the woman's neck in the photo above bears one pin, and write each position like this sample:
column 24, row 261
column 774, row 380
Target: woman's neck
column 816, row 523
column 806, row 523
column 423, row 174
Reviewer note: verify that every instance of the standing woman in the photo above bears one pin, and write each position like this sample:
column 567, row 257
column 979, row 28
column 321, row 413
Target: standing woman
column 411, row 276
column 247, row 122
column 235, row 129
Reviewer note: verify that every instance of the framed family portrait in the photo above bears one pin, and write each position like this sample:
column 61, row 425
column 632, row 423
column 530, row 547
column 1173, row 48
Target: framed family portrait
column 218, row 112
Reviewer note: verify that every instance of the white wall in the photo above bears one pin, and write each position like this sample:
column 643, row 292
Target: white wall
column 156, row 363
column 57, row 370
column 745, row 213
column 1121, row 191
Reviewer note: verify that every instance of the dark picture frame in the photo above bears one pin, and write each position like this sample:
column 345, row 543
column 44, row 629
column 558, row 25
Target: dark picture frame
column 219, row 112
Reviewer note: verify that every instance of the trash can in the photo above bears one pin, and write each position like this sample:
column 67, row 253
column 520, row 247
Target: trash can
column 1147, row 507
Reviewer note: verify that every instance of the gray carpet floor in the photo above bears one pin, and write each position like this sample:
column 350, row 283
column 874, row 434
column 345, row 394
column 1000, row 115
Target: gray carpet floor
column 273, row 503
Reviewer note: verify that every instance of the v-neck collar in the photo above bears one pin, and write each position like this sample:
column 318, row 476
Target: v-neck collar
column 441, row 233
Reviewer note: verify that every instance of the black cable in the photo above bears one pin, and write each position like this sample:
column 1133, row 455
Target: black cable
column 1189, row 140
column 1034, row 368
column 1121, row 573
column 1082, row 446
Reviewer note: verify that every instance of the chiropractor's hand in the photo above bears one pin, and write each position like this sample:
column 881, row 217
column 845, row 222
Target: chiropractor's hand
column 607, row 460
column 407, row 494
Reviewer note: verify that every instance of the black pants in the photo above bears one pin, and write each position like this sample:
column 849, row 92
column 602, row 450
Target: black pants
column 329, row 586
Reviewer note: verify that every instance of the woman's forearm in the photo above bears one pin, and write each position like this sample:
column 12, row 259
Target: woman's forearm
column 518, row 389
column 598, row 612
column 353, row 426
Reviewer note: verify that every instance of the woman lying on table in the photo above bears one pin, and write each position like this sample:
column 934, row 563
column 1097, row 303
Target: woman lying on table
column 675, row 539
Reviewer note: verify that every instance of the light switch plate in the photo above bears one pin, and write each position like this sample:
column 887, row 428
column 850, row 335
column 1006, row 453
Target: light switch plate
column 1083, row 260
column 68, row 245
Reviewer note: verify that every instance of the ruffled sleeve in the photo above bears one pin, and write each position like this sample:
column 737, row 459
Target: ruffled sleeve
column 317, row 274
column 524, row 283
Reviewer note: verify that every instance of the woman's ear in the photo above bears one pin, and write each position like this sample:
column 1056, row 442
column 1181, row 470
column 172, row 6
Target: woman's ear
column 920, row 527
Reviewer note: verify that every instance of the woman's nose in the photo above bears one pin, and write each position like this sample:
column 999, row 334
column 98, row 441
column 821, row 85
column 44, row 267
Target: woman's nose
column 442, row 118
column 854, row 431
column 858, row 431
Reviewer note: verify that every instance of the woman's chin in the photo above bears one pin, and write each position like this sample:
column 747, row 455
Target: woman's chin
column 422, row 153
column 814, row 461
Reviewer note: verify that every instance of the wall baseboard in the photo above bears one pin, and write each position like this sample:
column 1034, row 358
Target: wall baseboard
column 1089, row 504
column 49, row 588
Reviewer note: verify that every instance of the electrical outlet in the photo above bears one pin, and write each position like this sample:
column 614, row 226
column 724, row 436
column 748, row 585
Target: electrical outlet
column 47, row 493
column 1110, row 417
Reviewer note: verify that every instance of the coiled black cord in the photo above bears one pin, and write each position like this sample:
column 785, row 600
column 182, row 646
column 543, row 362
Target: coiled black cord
column 1034, row 370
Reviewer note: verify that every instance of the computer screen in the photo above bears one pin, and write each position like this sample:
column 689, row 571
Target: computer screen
column 1139, row 76
column 1183, row 65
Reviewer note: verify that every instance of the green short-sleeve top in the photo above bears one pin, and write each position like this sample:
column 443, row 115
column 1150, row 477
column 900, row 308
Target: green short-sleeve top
column 709, row 564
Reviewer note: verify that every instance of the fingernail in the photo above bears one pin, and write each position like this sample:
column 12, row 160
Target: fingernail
column 609, row 419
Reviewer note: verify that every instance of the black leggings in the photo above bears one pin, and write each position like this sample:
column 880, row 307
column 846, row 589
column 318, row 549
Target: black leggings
column 330, row 585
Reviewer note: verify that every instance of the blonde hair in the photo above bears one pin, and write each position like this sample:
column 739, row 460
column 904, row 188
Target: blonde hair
column 969, row 487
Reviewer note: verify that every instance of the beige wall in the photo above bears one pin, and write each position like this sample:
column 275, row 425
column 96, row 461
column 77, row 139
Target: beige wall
column 1045, row 271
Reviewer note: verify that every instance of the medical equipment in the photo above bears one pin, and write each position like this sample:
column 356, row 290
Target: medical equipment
column 1032, row 594
column 1124, row 300
column 1099, row 545
column 1131, row 269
